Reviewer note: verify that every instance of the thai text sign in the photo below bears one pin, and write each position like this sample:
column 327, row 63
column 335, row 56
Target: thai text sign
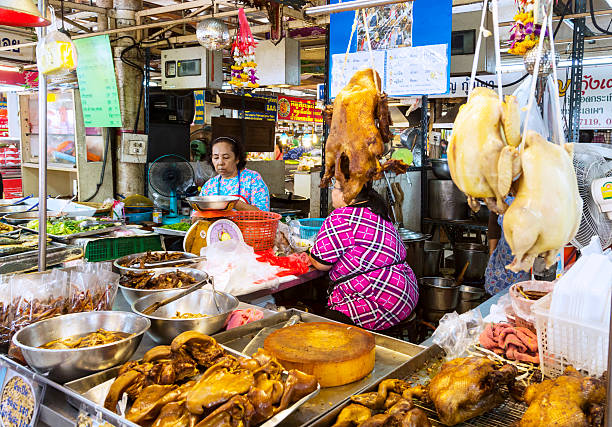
column 298, row 110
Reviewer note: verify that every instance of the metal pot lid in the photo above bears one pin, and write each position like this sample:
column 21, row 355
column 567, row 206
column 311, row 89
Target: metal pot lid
column 408, row 235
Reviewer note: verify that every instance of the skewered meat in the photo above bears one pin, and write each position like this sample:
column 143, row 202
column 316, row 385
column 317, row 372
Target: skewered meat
column 465, row 388
column 571, row 400
column 482, row 161
column 546, row 213
column 359, row 129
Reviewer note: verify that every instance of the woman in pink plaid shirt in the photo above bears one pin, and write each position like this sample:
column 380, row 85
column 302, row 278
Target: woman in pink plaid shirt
column 372, row 285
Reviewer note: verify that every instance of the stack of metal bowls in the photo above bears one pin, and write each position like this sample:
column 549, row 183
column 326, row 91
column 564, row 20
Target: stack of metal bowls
column 437, row 296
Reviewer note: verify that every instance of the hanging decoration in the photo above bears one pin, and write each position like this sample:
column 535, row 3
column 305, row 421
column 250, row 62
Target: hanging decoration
column 243, row 52
column 213, row 34
column 525, row 32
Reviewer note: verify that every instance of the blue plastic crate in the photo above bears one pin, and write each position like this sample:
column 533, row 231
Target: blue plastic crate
column 309, row 227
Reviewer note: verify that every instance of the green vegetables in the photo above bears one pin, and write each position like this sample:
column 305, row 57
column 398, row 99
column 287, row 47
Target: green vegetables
column 65, row 227
column 179, row 226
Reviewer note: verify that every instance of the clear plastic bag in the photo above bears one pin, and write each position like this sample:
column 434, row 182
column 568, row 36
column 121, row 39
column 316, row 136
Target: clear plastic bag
column 456, row 333
column 93, row 287
column 56, row 55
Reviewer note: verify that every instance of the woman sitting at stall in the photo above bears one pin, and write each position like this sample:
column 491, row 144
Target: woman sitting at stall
column 373, row 287
column 229, row 160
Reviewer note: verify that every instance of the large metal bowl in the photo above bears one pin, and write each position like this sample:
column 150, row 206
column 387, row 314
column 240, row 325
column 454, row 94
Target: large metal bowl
column 67, row 365
column 210, row 203
column 164, row 329
column 440, row 168
column 438, row 293
column 131, row 294
column 122, row 270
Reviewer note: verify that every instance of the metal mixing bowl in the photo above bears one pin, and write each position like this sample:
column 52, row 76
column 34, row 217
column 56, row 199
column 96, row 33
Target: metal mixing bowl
column 217, row 203
column 440, row 168
column 164, row 329
column 67, row 365
column 122, row 270
column 131, row 294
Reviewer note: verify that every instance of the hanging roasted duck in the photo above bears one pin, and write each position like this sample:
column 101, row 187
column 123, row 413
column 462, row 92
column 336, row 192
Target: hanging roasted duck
column 359, row 129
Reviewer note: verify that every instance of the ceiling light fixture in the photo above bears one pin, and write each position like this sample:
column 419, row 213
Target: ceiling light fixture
column 21, row 13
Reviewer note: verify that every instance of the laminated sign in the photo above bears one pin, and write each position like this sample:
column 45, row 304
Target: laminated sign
column 19, row 399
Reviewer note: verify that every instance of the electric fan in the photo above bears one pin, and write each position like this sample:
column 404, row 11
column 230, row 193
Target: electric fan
column 171, row 176
column 592, row 163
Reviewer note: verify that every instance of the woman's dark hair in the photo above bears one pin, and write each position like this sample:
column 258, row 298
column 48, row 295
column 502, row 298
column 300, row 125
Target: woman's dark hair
column 237, row 149
column 369, row 198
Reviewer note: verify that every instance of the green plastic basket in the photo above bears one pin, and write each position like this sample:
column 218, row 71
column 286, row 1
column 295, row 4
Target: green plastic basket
column 107, row 249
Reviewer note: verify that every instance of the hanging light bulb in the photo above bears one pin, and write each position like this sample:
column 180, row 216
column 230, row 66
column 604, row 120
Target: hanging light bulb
column 213, row 34
column 21, row 13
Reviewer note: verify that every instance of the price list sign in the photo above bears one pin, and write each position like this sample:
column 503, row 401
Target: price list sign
column 19, row 399
column 97, row 82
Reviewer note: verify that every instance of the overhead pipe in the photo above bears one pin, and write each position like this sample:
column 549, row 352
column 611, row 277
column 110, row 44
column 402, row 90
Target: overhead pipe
column 311, row 12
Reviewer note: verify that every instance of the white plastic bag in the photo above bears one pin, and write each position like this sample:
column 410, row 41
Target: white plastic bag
column 56, row 55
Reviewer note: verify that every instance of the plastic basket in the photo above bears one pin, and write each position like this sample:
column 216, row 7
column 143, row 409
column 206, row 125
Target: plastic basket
column 563, row 342
column 309, row 227
column 258, row 228
column 106, row 249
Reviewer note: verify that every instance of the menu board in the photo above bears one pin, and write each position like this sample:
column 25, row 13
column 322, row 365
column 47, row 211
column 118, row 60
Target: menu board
column 97, row 82
column 344, row 66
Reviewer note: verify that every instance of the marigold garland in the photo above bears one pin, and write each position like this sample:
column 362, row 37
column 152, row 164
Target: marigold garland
column 524, row 34
column 243, row 52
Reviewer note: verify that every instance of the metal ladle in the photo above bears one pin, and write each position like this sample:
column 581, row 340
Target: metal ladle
column 157, row 305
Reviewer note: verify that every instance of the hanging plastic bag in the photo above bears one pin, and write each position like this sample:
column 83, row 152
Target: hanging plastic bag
column 56, row 54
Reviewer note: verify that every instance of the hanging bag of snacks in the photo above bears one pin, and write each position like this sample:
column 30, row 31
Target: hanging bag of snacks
column 243, row 52
column 55, row 53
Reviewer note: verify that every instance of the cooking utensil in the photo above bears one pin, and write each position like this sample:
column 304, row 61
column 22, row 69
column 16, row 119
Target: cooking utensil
column 446, row 201
column 131, row 294
column 67, row 365
column 88, row 223
column 478, row 257
column 118, row 263
column 257, row 341
column 207, row 203
column 153, row 307
column 35, row 205
column 164, row 329
column 438, row 293
column 20, row 201
column 399, row 199
column 169, row 263
column 392, row 201
column 440, row 168
column 460, row 277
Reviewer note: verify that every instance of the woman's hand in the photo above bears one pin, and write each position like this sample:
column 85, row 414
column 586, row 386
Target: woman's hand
column 316, row 264
column 243, row 206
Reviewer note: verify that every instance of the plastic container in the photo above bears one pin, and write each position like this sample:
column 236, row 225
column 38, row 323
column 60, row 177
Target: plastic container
column 106, row 249
column 309, row 227
column 522, row 306
column 563, row 342
column 258, row 228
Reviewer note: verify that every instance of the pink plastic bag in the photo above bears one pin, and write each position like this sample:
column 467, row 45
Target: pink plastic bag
column 242, row 317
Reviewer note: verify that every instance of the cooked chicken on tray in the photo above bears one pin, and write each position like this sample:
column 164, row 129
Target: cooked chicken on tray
column 482, row 159
column 166, row 387
column 571, row 400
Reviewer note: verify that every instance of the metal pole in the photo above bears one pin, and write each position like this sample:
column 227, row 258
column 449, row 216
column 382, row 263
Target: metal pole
column 608, row 420
column 42, row 156
column 328, row 9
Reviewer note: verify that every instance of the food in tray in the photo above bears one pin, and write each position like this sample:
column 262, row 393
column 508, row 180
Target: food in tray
column 482, row 160
column 359, row 121
column 165, row 388
column 148, row 280
column 151, row 257
column 398, row 411
column 465, row 388
column 567, row 401
column 11, row 246
column 92, row 339
column 334, row 353
column 5, row 228
column 179, row 226
column 512, row 342
column 67, row 226
column 546, row 212
column 180, row 315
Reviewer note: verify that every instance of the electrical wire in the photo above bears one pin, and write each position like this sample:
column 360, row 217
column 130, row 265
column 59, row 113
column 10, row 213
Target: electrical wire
column 595, row 22
column 101, row 181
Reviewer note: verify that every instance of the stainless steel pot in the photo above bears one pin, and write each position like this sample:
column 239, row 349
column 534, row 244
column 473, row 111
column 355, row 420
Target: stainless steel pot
column 446, row 201
column 478, row 257
column 434, row 315
column 438, row 293
column 431, row 261
column 464, row 306
column 470, row 293
column 440, row 168
column 415, row 249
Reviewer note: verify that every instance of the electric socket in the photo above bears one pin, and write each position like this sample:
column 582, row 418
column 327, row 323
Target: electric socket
column 133, row 148
column 136, row 148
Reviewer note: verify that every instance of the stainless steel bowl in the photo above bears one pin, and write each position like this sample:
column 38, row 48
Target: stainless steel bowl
column 67, row 365
column 131, row 294
column 470, row 293
column 438, row 293
column 216, row 203
column 440, row 168
column 164, row 329
column 117, row 264
column 22, row 217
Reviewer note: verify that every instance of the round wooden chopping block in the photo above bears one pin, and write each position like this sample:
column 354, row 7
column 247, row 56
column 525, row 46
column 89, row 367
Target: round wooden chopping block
column 336, row 354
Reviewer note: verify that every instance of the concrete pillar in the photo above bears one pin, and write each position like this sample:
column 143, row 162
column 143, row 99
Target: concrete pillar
column 103, row 18
column 130, row 177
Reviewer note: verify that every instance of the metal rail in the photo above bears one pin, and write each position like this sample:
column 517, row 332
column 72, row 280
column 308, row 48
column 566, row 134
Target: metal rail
column 575, row 98
column 311, row 12
column 42, row 157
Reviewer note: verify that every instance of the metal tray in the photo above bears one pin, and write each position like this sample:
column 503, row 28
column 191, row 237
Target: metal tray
column 69, row 237
column 416, row 371
column 390, row 355
column 168, row 232
column 93, row 388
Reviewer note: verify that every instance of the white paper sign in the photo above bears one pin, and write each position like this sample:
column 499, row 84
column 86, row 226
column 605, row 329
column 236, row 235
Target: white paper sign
column 342, row 73
column 416, row 70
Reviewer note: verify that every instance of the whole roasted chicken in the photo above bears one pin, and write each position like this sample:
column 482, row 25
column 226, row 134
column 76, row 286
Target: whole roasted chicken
column 571, row 400
column 359, row 123
column 546, row 213
column 482, row 159
column 465, row 388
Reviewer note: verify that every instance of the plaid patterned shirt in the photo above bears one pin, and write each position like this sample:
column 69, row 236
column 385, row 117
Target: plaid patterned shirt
column 375, row 288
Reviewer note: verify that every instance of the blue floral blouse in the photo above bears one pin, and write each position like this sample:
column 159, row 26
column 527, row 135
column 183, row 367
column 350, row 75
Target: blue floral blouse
column 249, row 184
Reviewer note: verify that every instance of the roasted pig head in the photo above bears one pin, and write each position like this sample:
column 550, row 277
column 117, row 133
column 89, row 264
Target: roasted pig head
column 359, row 130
